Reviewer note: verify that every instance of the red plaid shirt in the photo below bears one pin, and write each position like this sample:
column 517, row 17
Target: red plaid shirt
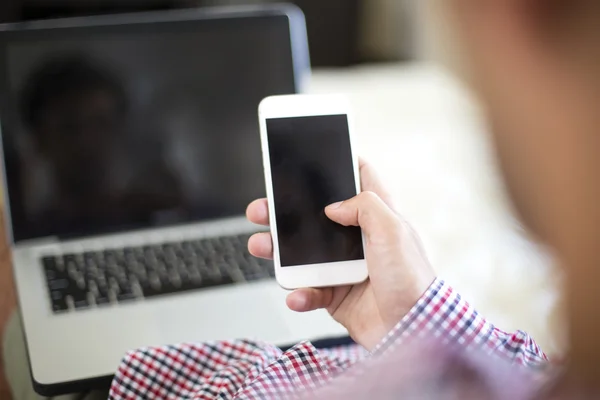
column 250, row 370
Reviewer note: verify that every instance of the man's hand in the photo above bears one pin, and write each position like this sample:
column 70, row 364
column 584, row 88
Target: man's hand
column 399, row 272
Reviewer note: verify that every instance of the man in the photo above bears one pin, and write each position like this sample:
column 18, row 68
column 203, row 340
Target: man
column 535, row 66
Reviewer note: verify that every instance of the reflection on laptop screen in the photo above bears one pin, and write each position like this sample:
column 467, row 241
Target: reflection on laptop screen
column 137, row 126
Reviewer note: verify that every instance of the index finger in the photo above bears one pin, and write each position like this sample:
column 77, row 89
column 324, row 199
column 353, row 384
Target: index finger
column 258, row 212
column 370, row 182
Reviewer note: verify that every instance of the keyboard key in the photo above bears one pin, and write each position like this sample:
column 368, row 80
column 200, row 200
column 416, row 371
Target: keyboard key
column 58, row 301
column 69, row 258
column 59, row 284
column 125, row 297
column 102, row 298
column 82, row 302
column 79, row 298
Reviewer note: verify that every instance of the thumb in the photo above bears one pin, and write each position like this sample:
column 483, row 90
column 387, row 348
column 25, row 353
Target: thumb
column 309, row 299
column 366, row 210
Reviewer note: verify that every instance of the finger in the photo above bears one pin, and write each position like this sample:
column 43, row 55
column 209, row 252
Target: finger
column 370, row 181
column 261, row 245
column 366, row 210
column 303, row 300
column 258, row 212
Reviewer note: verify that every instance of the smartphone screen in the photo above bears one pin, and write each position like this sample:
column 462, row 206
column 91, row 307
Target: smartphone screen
column 311, row 167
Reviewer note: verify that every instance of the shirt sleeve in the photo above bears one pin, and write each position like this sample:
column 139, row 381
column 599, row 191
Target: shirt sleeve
column 442, row 314
column 248, row 370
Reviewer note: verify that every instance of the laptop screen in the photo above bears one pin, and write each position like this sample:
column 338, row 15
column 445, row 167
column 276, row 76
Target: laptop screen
column 110, row 128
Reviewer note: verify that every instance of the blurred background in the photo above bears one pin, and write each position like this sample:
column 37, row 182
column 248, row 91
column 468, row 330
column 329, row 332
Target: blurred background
column 419, row 124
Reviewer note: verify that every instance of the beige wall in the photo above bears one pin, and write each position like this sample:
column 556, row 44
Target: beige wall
column 438, row 39
column 382, row 29
column 408, row 29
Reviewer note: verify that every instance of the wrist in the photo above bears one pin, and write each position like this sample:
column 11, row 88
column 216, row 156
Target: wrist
column 369, row 337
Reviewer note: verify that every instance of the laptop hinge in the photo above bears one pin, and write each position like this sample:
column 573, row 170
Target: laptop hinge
column 38, row 242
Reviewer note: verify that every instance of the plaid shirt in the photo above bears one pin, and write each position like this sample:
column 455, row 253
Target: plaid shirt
column 251, row 370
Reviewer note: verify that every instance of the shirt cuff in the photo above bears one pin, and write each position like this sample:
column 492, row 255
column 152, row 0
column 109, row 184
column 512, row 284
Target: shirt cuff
column 439, row 313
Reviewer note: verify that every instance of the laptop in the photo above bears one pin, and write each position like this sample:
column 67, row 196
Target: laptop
column 130, row 152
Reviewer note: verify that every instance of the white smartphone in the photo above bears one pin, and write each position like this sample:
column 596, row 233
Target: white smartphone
column 309, row 163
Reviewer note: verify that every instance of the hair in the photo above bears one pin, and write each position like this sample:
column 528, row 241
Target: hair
column 61, row 76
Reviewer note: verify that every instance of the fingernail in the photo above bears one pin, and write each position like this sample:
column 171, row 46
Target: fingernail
column 298, row 303
column 335, row 205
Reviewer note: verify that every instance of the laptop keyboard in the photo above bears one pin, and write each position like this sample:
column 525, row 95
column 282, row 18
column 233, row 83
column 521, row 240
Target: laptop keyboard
column 99, row 278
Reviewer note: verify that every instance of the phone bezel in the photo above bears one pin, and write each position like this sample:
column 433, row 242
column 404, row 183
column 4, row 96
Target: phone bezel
column 311, row 275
